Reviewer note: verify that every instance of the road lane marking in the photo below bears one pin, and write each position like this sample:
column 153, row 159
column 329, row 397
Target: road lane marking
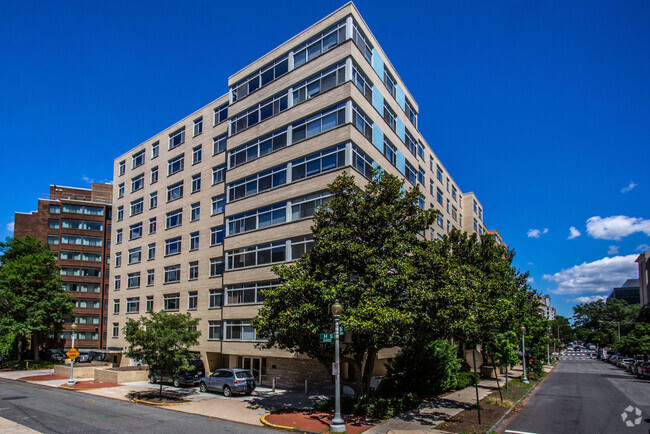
column 519, row 432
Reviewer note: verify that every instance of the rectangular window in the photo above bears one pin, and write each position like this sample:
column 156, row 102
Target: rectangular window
column 116, row 330
column 362, row 122
column 439, row 196
column 454, row 192
column 120, row 190
column 53, row 240
column 150, row 279
column 218, row 174
column 216, row 298
column 431, row 163
column 135, row 255
column 410, row 143
column 410, row 173
column 198, row 126
column 117, row 282
column 154, row 175
column 177, row 138
column 261, row 77
column 133, row 280
column 118, row 259
column 153, row 200
column 362, row 82
column 319, row 44
column 136, row 207
column 151, row 251
column 220, row 114
column 149, row 302
column 138, row 159
column 152, row 225
column 196, row 183
column 439, row 173
column 133, row 305
column 248, row 293
column 175, row 191
column 197, row 153
column 318, row 83
column 176, row 164
column 259, row 218
column 257, row 148
column 194, row 270
column 318, row 123
column 259, row 112
column 171, row 302
column 173, row 246
column 118, row 236
column 174, row 218
column 195, row 211
column 441, row 221
column 120, row 213
column 137, row 183
column 270, row 253
column 192, row 300
column 194, row 241
column 319, row 162
column 172, row 274
column 240, row 330
column 155, row 149
column 218, row 204
column 216, row 267
column 411, row 113
column 390, row 82
column 219, row 144
column 390, row 117
column 55, row 209
column 135, row 231
column 454, row 213
column 122, row 167
column 217, row 235
column 53, row 224
column 215, row 331
column 421, row 176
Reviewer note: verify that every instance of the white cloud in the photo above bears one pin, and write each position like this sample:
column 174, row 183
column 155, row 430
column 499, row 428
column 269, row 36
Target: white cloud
column 84, row 178
column 10, row 227
column 573, row 233
column 587, row 299
column 629, row 187
column 530, row 263
column 531, row 280
column 535, row 233
column 597, row 277
column 616, row 227
column 642, row 247
column 613, row 250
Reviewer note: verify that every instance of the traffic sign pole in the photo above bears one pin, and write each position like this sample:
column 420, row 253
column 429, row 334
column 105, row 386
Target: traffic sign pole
column 71, row 380
column 478, row 403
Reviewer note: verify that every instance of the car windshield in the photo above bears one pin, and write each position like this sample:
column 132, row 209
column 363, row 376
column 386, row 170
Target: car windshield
column 243, row 374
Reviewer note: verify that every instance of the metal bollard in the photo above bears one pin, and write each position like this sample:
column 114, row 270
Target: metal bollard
column 273, row 383
column 306, row 392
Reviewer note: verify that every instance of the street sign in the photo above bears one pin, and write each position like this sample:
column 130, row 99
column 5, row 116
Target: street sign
column 341, row 330
column 72, row 353
column 327, row 337
column 471, row 355
column 335, row 368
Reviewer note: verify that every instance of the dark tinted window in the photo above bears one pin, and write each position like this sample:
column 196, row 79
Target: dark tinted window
column 244, row 374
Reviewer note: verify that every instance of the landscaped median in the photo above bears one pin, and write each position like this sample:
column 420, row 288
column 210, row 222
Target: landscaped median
column 311, row 421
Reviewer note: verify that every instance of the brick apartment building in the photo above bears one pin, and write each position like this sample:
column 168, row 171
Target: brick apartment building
column 205, row 207
column 76, row 223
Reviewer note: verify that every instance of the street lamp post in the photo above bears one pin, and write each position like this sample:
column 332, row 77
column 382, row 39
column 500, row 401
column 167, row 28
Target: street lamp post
column 71, row 380
column 523, row 351
column 338, row 424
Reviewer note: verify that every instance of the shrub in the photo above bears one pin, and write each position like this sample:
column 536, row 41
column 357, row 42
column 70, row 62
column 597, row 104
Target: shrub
column 379, row 407
column 464, row 379
column 426, row 369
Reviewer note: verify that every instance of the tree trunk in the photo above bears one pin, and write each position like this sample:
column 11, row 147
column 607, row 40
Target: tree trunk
column 20, row 350
column 496, row 375
column 357, row 384
column 161, row 384
column 506, row 377
column 35, row 345
column 367, row 370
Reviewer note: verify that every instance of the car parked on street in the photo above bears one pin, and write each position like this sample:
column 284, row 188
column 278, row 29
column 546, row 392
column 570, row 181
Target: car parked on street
column 83, row 358
column 624, row 363
column 189, row 377
column 643, row 371
column 634, row 368
column 229, row 381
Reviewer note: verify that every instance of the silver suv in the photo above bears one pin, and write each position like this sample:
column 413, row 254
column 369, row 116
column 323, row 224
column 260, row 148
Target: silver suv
column 229, row 381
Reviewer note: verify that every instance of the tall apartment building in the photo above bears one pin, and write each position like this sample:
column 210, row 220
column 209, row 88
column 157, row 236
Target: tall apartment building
column 547, row 309
column 629, row 292
column 76, row 223
column 205, row 207
column 644, row 279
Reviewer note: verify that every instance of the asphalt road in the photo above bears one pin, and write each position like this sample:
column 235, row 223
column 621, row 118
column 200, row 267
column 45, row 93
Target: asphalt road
column 51, row 410
column 584, row 395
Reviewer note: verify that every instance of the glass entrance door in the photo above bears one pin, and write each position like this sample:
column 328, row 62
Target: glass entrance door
column 255, row 366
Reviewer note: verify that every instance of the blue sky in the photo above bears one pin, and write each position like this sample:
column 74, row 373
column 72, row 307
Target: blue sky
column 541, row 108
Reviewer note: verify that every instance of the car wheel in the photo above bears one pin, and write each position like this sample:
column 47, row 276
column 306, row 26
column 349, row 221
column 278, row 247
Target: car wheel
column 226, row 391
column 203, row 388
column 152, row 379
column 177, row 382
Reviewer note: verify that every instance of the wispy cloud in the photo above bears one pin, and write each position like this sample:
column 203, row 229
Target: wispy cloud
column 531, row 280
column 573, row 233
column 642, row 247
column 535, row 233
column 587, row 299
column 616, row 227
column 613, row 250
column 629, row 187
column 10, row 227
column 597, row 277
column 90, row 180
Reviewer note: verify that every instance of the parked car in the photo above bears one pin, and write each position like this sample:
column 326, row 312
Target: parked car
column 612, row 358
column 634, row 368
column 190, row 377
column 644, row 370
column 53, row 354
column 98, row 355
column 229, row 381
column 624, row 363
column 83, row 358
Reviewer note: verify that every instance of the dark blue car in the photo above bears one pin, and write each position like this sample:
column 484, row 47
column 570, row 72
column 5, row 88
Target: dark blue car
column 229, row 381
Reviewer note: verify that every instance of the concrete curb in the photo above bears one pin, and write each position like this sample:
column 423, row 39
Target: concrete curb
column 66, row 387
column 505, row 415
column 283, row 428
column 156, row 404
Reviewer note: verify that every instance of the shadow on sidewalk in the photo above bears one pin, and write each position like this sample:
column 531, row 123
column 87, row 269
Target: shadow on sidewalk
column 428, row 414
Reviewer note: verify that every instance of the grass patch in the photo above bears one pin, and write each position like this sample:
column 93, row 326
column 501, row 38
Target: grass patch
column 23, row 364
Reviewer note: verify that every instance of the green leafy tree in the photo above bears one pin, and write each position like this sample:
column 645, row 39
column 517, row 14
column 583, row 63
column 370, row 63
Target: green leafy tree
column 162, row 341
column 33, row 303
column 366, row 252
column 598, row 322
column 504, row 350
column 637, row 341
column 561, row 330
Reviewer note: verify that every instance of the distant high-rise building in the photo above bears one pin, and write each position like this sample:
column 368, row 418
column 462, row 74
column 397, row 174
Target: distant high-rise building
column 76, row 223
column 204, row 208
column 629, row 292
column 644, row 279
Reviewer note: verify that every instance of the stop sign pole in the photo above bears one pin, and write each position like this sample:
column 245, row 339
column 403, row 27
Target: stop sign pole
column 471, row 360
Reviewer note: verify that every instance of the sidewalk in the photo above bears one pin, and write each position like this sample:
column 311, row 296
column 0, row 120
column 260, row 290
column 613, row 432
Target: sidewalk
column 430, row 414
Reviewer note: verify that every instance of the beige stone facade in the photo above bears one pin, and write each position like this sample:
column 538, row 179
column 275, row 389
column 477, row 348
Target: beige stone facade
column 330, row 122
